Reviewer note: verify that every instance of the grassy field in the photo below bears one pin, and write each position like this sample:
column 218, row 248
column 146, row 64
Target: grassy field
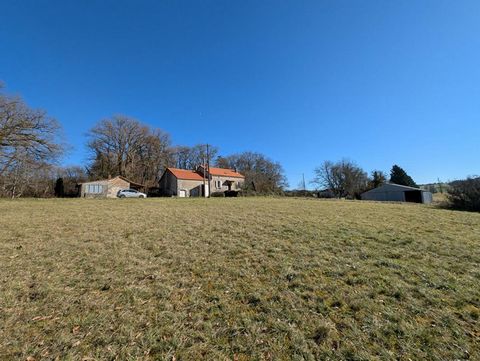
column 237, row 279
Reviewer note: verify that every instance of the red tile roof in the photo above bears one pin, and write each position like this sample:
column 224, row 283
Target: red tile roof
column 185, row 174
column 225, row 172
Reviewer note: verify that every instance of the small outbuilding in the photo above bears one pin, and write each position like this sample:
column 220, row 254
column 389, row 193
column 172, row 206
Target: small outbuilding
column 107, row 188
column 391, row 192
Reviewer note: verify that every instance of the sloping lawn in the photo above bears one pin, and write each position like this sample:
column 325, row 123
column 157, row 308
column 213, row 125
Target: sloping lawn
column 237, row 279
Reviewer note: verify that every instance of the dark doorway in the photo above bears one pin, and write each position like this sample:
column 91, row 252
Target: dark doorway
column 228, row 184
column 413, row 196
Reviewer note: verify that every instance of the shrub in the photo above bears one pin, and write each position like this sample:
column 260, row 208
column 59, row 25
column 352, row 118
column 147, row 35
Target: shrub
column 217, row 194
column 465, row 194
column 59, row 189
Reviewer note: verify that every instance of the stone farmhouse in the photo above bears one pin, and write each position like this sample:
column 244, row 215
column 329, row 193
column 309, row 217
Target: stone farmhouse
column 200, row 182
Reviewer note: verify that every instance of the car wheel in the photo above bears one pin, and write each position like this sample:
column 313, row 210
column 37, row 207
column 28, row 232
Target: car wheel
column 141, row 196
column 121, row 196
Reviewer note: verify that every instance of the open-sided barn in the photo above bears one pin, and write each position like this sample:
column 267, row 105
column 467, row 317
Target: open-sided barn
column 391, row 192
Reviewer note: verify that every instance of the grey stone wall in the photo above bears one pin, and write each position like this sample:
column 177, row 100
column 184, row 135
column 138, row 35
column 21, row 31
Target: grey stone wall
column 168, row 184
column 236, row 183
column 192, row 188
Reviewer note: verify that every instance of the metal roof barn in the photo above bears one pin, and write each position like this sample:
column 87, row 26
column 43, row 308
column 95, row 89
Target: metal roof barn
column 391, row 192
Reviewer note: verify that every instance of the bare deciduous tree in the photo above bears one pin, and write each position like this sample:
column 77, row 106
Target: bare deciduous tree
column 262, row 175
column 28, row 147
column 154, row 156
column 343, row 178
column 124, row 146
column 191, row 157
column 25, row 133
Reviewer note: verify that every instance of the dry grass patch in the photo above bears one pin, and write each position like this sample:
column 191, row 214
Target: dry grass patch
column 237, row 279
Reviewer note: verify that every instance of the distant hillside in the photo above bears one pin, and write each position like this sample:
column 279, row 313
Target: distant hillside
column 435, row 187
column 440, row 187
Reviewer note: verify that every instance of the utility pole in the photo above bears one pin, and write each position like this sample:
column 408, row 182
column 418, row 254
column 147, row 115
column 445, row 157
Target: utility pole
column 303, row 185
column 208, row 169
column 204, row 171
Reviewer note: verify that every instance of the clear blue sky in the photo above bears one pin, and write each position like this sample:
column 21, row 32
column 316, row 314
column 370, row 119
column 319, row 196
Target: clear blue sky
column 379, row 82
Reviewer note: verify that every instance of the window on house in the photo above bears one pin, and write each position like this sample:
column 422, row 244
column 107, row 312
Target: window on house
column 94, row 188
column 219, row 184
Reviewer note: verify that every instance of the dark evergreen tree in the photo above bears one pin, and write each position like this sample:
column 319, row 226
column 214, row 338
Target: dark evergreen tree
column 399, row 176
column 378, row 178
column 59, row 188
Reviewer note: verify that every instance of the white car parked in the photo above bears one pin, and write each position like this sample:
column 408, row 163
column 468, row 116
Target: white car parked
column 130, row 193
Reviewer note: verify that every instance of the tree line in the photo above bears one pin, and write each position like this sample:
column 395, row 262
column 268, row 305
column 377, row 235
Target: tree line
column 31, row 147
